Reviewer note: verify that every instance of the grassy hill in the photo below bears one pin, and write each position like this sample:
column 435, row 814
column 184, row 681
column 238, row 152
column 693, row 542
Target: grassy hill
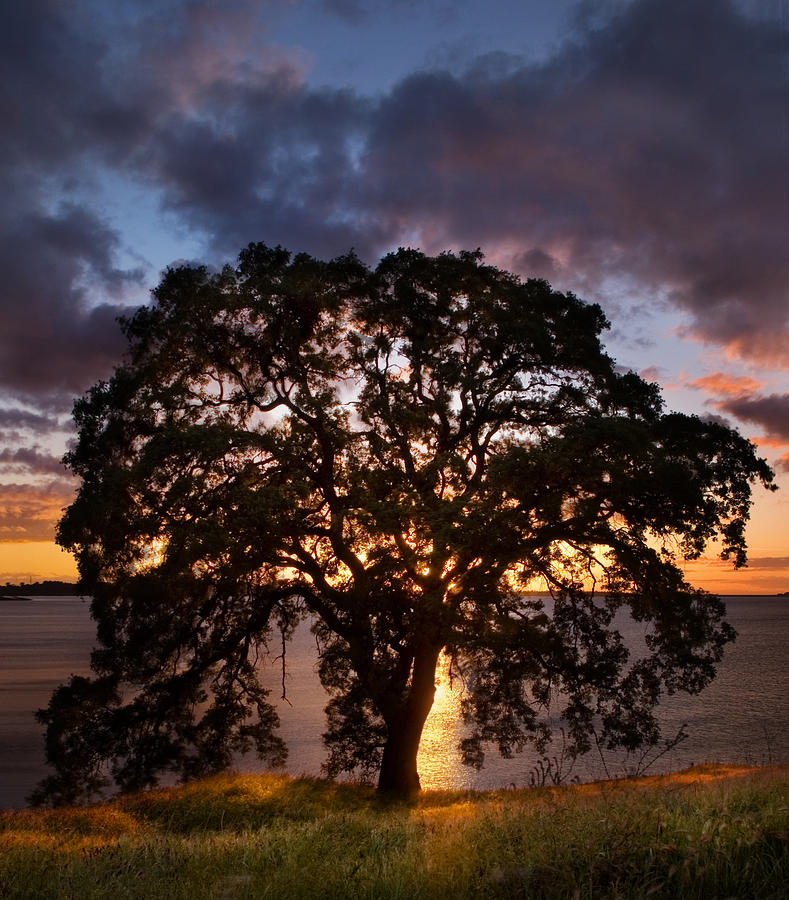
column 708, row 832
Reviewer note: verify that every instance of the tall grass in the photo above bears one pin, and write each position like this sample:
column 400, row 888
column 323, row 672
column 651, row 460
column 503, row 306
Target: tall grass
column 711, row 832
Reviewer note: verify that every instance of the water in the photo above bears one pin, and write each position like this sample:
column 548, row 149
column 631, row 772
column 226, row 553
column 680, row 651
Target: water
column 742, row 717
column 42, row 642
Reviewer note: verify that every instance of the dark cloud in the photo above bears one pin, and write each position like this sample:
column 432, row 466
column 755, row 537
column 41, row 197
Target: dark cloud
column 53, row 341
column 742, row 396
column 771, row 412
column 357, row 12
column 82, row 97
column 538, row 263
column 30, row 461
column 15, row 420
column 56, row 253
column 652, row 148
column 278, row 167
column 49, row 72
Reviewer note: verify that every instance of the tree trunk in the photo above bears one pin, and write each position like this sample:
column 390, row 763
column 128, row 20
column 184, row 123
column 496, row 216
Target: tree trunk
column 398, row 773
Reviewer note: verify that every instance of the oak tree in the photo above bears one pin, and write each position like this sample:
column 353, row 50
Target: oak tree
column 398, row 455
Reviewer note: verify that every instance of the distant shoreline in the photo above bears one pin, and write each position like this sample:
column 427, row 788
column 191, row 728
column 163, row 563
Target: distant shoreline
column 38, row 589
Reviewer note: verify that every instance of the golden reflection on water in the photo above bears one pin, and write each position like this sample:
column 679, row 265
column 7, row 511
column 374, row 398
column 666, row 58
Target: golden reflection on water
column 438, row 762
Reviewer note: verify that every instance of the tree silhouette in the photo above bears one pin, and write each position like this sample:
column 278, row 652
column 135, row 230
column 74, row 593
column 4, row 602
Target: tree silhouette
column 399, row 455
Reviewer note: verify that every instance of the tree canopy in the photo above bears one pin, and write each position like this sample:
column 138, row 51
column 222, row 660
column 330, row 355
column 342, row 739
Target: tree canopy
column 398, row 455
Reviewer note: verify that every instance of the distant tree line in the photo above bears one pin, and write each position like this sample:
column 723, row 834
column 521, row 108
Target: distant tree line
column 39, row 589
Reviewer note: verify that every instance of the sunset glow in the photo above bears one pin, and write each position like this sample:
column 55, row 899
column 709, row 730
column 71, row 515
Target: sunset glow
column 27, row 561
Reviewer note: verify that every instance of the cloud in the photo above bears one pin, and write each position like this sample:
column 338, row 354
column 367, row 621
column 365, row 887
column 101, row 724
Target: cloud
column 728, row 385
column 89, row 96
column 30, row 460
column 649, row 151
column 771, row 412
column 57, row 254
column 52, row 339
column 712, row 418
column 778, row 563
column 649, row 148
column 769, row 562
column 29, row 512
column 741, row 398
column 12, row 420
column 653, row 373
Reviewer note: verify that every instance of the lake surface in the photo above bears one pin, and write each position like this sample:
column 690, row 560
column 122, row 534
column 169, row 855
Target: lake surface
column 743, row 716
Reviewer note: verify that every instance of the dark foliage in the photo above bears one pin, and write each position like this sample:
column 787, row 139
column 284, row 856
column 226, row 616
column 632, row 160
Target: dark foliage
column 399, row 454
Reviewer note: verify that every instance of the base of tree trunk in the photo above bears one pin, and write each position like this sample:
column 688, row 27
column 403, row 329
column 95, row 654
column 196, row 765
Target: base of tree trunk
column 398, row 784
column 398, row 775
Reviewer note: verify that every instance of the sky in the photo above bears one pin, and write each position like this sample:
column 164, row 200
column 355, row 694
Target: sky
column 633, row 151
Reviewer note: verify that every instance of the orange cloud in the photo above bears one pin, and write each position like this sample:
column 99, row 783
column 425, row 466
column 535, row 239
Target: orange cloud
column 728, row 385
column 764, row 440
column 28, row 512
column 768, row 348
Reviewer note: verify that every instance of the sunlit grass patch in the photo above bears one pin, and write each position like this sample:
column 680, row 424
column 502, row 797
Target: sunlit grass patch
column 239, row 802
column 69, row 829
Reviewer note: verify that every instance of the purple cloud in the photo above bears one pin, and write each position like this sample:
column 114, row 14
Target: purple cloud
column 14, row 420
column 30, row 460
column 52, row 340
column 650, row 148
column 771, row 412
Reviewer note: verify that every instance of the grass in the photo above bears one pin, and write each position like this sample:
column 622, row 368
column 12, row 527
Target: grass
column 709, row 832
